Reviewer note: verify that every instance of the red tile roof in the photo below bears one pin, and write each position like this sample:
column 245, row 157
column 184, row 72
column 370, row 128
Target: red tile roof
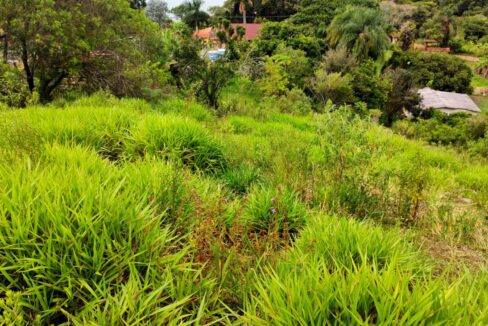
column 209, row 33
column 252, row 30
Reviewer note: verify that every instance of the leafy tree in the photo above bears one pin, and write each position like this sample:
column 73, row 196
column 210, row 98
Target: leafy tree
column 184, row 53
column 286, row 69
column 396, row 14
column 137, row 4
column 402, row 96
column 212, row 79
column 407, row 35
column 338, row 60
column 475, row 27
column 191, row 13
column 440, row 71
column 157, row 11
column 332, row 87
column 295, row 36
column 56, row 40
column 440, row 26
column 8, row 11
column 361, row 31
column 319, row 13
column 368, row 86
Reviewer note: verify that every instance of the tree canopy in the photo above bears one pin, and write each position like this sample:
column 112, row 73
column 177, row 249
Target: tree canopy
column 90, row 42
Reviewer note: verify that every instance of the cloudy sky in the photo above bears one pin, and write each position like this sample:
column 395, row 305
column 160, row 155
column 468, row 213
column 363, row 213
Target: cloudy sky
column 208, row 3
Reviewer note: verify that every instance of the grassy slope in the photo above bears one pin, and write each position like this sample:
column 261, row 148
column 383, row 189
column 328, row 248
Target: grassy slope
column 482, row 102
column 113, row 210
column 479, row 81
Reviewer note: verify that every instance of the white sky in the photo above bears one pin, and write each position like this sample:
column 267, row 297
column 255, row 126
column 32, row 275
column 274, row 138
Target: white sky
column 207, row 3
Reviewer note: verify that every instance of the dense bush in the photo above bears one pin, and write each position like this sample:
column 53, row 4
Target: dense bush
column 13, row 90
column 368, row 86
column 456, row 129
column 298, row 37
column 475, row 27
column 440, row 71
column 285, row 70
column 332, row 87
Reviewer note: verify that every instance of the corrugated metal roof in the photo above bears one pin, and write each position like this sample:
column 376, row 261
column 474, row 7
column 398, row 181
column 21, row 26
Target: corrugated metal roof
column 446, row 101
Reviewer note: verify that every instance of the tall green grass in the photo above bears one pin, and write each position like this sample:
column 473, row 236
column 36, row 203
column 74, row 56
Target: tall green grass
column 120, row 212
column 344, row 272
column 79, row 242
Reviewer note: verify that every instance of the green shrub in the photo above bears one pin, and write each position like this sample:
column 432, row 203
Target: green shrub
column 442, row 72
column 13, row 88
column 270, row 210
column 175, row 137
column 240, row 179
column 295, row 101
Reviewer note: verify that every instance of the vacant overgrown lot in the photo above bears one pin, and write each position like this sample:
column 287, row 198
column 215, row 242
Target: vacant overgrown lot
column 120, row 212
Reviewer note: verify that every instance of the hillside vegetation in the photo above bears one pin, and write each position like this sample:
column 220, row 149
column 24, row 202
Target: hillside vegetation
column 121, row 212
column 263, row 163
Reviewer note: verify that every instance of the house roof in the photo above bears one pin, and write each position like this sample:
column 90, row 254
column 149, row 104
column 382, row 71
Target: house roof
column 210, row 33
column 206, row 33
column 252, row 30
column 446, row 101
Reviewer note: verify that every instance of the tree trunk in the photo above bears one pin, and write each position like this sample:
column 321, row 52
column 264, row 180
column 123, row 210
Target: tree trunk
column 29, row 73
column 447, row 32
column 48, row 85
column 244, row 15
column 5, row 42
column 5, row 48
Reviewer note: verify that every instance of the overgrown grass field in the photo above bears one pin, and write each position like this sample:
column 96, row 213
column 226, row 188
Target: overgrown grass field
column 120, row 212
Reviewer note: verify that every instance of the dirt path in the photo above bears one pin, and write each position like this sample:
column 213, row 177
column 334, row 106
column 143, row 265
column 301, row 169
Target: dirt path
column 468, row 58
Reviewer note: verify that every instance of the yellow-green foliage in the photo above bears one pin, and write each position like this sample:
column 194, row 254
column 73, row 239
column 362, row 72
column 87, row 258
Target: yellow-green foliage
column 119, row 212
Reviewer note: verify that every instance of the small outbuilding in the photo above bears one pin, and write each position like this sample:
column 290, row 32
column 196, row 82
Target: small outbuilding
column 447, row 102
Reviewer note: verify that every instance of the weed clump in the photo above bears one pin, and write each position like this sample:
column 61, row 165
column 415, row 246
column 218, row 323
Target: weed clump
column 269, row 210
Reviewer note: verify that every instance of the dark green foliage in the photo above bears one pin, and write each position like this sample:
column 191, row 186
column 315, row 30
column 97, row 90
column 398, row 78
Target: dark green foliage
column 402, row 96
column 137, row 4
column 211, row 80
column 439, row 71
column 361, row 30
column 407, row 35
column 319, row 13
column 295, row 36
column 475, row 27
column 460, row 129
column 13, row 89
column 56, row 40
column 368, row 86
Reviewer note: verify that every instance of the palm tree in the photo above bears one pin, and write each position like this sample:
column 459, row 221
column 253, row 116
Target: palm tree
column 191, row 13
column 243, row 9
column 361, row 31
